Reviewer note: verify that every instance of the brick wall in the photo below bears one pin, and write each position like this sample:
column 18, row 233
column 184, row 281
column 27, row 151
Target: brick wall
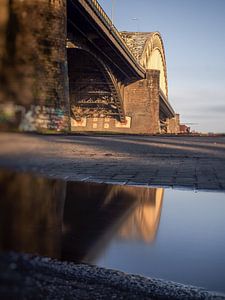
column 33, row 69
column 142, row 103
column 173, row 124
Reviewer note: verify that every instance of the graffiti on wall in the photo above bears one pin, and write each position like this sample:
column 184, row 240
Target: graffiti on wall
column 35, row 118
column 42, row 117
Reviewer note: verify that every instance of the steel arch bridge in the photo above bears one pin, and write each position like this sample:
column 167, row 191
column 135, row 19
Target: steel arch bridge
column 118, row 80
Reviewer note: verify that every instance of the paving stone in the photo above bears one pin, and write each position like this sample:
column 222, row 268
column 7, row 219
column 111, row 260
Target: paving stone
column 147, row 162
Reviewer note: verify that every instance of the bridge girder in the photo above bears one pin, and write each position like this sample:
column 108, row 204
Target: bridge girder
column 94, row 90
column 87, row 20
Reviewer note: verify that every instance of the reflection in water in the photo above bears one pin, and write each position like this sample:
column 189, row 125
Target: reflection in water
column 31, row 214
column 144, row 219
column 115, row 226
column 73, row 221
column 94, row 214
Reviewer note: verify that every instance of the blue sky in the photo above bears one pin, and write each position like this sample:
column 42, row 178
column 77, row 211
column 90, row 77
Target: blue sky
column 193, row 32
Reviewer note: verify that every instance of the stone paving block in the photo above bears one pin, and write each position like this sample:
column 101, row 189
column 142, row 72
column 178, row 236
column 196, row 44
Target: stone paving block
column 137, row 183
column 120, row 177
column 208, row 186
column 115, row 182
column 140, row 164
column 185, row 180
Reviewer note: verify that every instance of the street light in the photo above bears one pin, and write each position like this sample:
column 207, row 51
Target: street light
column 112, row 11
column 137, row 20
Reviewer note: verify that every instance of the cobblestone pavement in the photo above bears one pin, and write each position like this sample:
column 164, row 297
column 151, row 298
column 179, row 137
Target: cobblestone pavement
column 176, row 161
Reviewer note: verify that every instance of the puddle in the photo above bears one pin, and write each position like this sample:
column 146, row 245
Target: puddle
column 171, row 234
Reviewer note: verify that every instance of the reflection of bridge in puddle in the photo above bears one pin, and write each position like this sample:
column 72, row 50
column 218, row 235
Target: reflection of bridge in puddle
column 73, row 221
column 94, row 214
column 144, row 219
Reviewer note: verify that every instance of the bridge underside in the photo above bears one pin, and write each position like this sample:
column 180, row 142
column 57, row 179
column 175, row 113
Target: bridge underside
column 93, row 89
column 99, row 102
column 169, row 121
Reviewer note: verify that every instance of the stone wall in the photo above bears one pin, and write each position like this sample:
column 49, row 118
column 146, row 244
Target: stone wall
column 33, row 69
column 173, row 124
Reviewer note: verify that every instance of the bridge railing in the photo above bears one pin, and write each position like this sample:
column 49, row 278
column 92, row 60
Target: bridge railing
column 109, row 24
column 97, row 7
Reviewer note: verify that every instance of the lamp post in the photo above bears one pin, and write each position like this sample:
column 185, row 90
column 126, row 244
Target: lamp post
column 137, row 20
column 112, row 11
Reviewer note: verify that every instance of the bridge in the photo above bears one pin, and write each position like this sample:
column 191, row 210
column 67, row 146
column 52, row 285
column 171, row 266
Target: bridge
column 99, row 80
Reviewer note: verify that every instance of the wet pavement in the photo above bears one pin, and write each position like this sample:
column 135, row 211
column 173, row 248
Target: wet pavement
column 176, row 161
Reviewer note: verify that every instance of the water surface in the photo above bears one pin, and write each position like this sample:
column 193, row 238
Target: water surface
column 171, row 234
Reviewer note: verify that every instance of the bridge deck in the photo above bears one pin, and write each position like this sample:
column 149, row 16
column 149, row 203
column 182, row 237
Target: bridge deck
column 105, row 36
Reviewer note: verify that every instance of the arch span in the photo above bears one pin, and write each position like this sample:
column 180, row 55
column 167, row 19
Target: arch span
column 94, row 92
column 148, row 49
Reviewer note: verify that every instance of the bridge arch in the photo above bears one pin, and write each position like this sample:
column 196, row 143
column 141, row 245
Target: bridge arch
column 153, row 57
column 94, row 90
column 148, row 49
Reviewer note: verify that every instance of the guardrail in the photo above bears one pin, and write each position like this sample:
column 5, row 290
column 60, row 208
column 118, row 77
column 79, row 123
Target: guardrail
column 101, row 11
column 109, row 24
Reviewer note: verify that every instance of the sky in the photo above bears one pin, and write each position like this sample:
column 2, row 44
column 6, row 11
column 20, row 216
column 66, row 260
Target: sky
column 193, row 33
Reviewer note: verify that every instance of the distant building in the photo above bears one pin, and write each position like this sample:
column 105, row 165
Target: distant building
column 184, row 128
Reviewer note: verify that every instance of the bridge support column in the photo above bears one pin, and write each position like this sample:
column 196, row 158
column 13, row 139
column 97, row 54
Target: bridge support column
column 33, row 69
column 142, row 104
